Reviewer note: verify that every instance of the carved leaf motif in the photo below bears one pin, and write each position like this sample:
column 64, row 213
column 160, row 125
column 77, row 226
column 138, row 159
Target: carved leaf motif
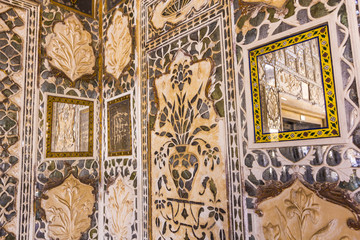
column 175, row 11
column 120, row 210
column 68, row 209
column 70, row 48
column 118, row 45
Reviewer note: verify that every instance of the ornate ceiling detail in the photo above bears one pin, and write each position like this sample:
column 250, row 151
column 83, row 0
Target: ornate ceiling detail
column 121, row 209
column 118, row 47
column 70, row 48
column 67, row 208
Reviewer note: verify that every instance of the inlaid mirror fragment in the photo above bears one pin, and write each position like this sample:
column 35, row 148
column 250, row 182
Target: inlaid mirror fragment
column 69, row 127
column 293, row 89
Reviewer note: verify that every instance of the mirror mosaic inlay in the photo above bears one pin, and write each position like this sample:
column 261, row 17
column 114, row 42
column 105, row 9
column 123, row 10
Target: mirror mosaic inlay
column 70, row 127
column 293, row 88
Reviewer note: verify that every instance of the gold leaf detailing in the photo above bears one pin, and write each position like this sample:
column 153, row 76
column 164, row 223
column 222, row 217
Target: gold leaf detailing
column 118, row 46
column 70, row 48
column 175, row 11
column 68, row 208
column 120, row 210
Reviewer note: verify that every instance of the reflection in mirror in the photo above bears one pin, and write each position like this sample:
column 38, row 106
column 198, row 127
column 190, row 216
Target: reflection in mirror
column 291, row 88
column 295, row 154
column 70, row 132
column 69, row 127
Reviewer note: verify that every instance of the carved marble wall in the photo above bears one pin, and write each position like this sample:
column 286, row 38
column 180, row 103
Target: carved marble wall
column 268, row 170
column 171, row 152
column 121, row 159
column 188, row 113
column 67, row 188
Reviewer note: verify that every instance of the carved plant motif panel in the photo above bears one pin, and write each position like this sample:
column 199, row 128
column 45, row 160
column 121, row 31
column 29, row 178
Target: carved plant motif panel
column 119, row 126
column 69, row 48
column 67, row 209
column 118, row 46
column 84, row 7
column 161, row 16
column 201, row 38
column 73, row 77
column 120, row 168
column 330, row 163
column 119, row 37
column 189, row 195
column 120, row 209
column 301, row 213
column 65, row 203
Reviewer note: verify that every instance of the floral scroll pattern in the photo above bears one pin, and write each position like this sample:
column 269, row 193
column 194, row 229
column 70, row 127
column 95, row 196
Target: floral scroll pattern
column 188, row 200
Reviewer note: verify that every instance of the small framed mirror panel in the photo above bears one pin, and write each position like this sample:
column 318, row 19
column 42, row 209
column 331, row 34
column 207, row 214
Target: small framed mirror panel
column 292, row 87
column 69, row 127
column 119, row 126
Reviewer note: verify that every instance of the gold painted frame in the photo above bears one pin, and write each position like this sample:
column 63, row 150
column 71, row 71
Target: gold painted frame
column 109, row 103
column 333, row 129
column 49, row 119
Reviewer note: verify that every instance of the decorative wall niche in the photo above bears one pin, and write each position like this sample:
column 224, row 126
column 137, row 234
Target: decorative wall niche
column 69, row 123
column 292, row 88
column 119, row 126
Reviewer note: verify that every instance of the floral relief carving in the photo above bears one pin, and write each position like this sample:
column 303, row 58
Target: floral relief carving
column 189, row 197
column 118, row 46
column 68, row 208
column 175, row 11
column 120, row 209
column 70, row 48
column 298, row 213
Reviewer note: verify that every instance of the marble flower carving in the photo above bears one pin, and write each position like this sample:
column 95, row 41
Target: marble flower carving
column 120, row 210
column 68, row 208
column 118, row 46
column 70, row 48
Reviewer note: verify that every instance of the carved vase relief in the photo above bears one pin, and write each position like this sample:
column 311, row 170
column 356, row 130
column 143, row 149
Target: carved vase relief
column 175, row 11
column 68, row 208
column 188, row 172
column 299, row 213
column 118, row 46
column 120, row 210
column 70, row 49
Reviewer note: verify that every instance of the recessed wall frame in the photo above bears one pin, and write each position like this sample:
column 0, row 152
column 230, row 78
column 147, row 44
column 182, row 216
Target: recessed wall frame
column 69, row 127
column 119, row 125
column 259, row 86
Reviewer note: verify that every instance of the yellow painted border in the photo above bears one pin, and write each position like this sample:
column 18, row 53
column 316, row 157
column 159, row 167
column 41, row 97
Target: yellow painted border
column 49, row 117
column 332, row 130
column 120, row 99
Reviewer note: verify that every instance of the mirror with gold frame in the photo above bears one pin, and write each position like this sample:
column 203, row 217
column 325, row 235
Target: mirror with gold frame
column 69, row 125
column 293, row 88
